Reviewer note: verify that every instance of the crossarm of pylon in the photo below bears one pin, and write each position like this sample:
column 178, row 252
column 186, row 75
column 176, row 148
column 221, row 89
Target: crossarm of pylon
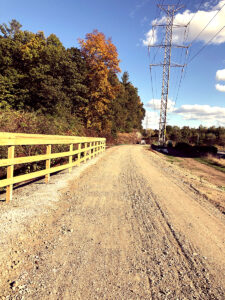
column 171, row 65
column 163, row 46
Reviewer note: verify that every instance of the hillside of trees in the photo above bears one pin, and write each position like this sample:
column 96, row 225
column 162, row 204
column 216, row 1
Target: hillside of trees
column 46, row 88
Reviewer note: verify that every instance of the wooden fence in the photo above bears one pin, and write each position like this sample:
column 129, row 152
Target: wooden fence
column 86, row 148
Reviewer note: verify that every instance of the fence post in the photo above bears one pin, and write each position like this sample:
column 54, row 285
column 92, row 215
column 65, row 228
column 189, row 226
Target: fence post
column 98, row 148
column 85, row 152
column 10, row 169
column 94, row 151
column 78, row 156
column 70, row 158
column 90, row 155
column 48, row 163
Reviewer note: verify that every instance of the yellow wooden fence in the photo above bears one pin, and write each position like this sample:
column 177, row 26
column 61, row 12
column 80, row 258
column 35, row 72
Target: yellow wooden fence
column 87, row 147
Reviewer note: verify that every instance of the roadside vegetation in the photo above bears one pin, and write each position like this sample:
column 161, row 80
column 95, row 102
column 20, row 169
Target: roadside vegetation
column 209, row 160
column 201, row 136
column 46, row 88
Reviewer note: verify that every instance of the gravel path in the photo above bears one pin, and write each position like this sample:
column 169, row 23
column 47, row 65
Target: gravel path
column 127, row 229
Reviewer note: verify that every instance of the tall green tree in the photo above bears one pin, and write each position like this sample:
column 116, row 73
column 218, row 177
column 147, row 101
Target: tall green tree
column 128, row 111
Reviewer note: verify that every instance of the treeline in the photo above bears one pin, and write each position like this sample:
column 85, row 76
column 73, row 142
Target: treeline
column 77, row 88
column 195, row 136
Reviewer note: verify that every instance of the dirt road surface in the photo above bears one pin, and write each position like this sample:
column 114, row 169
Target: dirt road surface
column 127, row 229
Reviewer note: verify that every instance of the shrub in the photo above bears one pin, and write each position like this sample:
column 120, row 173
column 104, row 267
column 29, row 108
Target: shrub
column 30, row 122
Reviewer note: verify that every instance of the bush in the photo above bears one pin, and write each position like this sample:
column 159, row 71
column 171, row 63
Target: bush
column 183, row 146
column 203, row 150
column 170, row 144
column 33, row 123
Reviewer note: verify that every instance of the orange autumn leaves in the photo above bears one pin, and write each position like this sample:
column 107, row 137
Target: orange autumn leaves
column 102, row 61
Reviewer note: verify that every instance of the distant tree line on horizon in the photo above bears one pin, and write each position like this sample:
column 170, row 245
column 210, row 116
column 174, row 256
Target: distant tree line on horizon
column 195, row 136
column 69, row 89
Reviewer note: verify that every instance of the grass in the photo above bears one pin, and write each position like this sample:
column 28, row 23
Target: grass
column 173, row 159
column 212, row 162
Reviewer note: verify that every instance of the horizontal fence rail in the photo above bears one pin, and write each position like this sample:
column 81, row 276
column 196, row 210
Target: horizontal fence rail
column 86, row 148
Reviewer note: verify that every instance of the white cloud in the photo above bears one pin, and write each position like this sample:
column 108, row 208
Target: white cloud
column 220, row 4
column 151, row 120
column 156, row 104
column 151, row 38
column 220, row 75
column 220, row 87
column 200, row 20
column 202, row 113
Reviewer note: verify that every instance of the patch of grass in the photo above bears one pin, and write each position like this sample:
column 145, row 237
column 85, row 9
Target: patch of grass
column 173, row 159
column 218, row 161
column 211, row 163
column 222, row 188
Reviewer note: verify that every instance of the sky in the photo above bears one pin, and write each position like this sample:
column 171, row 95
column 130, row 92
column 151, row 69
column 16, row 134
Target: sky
column 201, row 97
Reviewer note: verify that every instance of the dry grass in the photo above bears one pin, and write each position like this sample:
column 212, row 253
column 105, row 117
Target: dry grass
column 128, row 138
column 218, row 161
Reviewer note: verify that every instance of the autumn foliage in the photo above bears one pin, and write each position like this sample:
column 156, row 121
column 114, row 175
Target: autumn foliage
column 102, row 59
column 41, row 79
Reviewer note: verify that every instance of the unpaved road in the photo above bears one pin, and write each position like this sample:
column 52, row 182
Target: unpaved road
column 125, row 230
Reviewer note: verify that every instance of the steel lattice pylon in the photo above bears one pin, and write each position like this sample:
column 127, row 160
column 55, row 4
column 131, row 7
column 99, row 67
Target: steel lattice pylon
column 166, row 74
column 170, row 11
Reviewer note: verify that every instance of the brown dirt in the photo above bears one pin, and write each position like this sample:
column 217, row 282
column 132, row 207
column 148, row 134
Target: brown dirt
column 205, row 180
column 128, row 138
column 206, row 172
column 128, row 229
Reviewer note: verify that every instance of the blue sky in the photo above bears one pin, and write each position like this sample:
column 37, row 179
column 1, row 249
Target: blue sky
column 128, row 22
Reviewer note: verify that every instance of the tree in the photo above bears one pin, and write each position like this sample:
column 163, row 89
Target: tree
column 11, row 30
column 125, row 78
column 102, row 59
column 38, row 74
column 128, row 111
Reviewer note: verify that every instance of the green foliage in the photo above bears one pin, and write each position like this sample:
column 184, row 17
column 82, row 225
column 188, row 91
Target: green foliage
column 211, row 163
column 197, row 136
column 38, row 75
column 128, row 111
column 35, row 123
column 31, row 122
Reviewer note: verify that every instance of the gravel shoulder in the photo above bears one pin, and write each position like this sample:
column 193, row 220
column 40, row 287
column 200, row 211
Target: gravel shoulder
column 129, row 228
column 205, row 180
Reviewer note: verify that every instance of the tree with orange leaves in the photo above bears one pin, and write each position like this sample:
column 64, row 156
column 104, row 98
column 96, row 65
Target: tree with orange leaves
column 102, row 61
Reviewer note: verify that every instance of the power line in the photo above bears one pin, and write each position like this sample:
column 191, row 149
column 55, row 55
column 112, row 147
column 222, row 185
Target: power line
column 195, row 13
column 193, row 57
column 157, row 15
column 152, row 86
column 182, row 76
column 184, row 70
column 207, row 25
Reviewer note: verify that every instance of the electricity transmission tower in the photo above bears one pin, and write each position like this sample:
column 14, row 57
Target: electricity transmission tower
column 170, row 11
